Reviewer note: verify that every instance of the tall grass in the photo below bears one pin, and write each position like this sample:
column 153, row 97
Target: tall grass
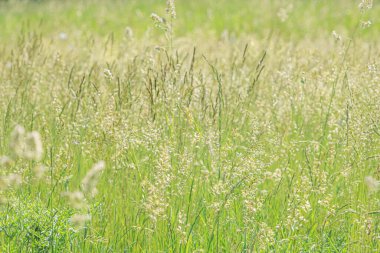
column 231, row 135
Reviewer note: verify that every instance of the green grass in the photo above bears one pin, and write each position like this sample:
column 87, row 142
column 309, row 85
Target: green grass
column 248, row 134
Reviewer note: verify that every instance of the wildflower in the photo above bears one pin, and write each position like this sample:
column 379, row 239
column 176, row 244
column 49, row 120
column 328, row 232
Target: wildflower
column 91, row 179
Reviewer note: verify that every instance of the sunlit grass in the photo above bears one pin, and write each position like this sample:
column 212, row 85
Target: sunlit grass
column 252, row 127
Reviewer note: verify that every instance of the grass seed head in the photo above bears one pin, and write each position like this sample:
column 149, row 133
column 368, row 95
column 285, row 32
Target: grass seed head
column 372, row 184
column 128, row 32
column 365, row 24
column 170, row 8
column 26, row 145
column 80, row 220
column 336, row 36
column 366, row 5
column 33, row 146
column 91, row 179
column 39, row 171
column 76, row 199
column 6, row 161
column 108, row 74
column 9, row 181
column 17, row 140
column 158, row 21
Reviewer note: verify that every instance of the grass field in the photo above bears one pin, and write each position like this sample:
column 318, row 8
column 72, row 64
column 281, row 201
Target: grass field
column 209, row 126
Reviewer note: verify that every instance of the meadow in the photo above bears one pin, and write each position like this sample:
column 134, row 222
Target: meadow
column 189, row 126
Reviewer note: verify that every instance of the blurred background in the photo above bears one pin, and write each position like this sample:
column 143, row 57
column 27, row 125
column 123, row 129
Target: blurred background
column 294, row 19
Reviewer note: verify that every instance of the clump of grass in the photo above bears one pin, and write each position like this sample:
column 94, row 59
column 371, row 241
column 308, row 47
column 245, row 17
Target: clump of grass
column 41, row 227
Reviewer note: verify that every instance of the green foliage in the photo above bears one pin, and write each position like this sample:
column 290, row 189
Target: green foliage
column 27, row 225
